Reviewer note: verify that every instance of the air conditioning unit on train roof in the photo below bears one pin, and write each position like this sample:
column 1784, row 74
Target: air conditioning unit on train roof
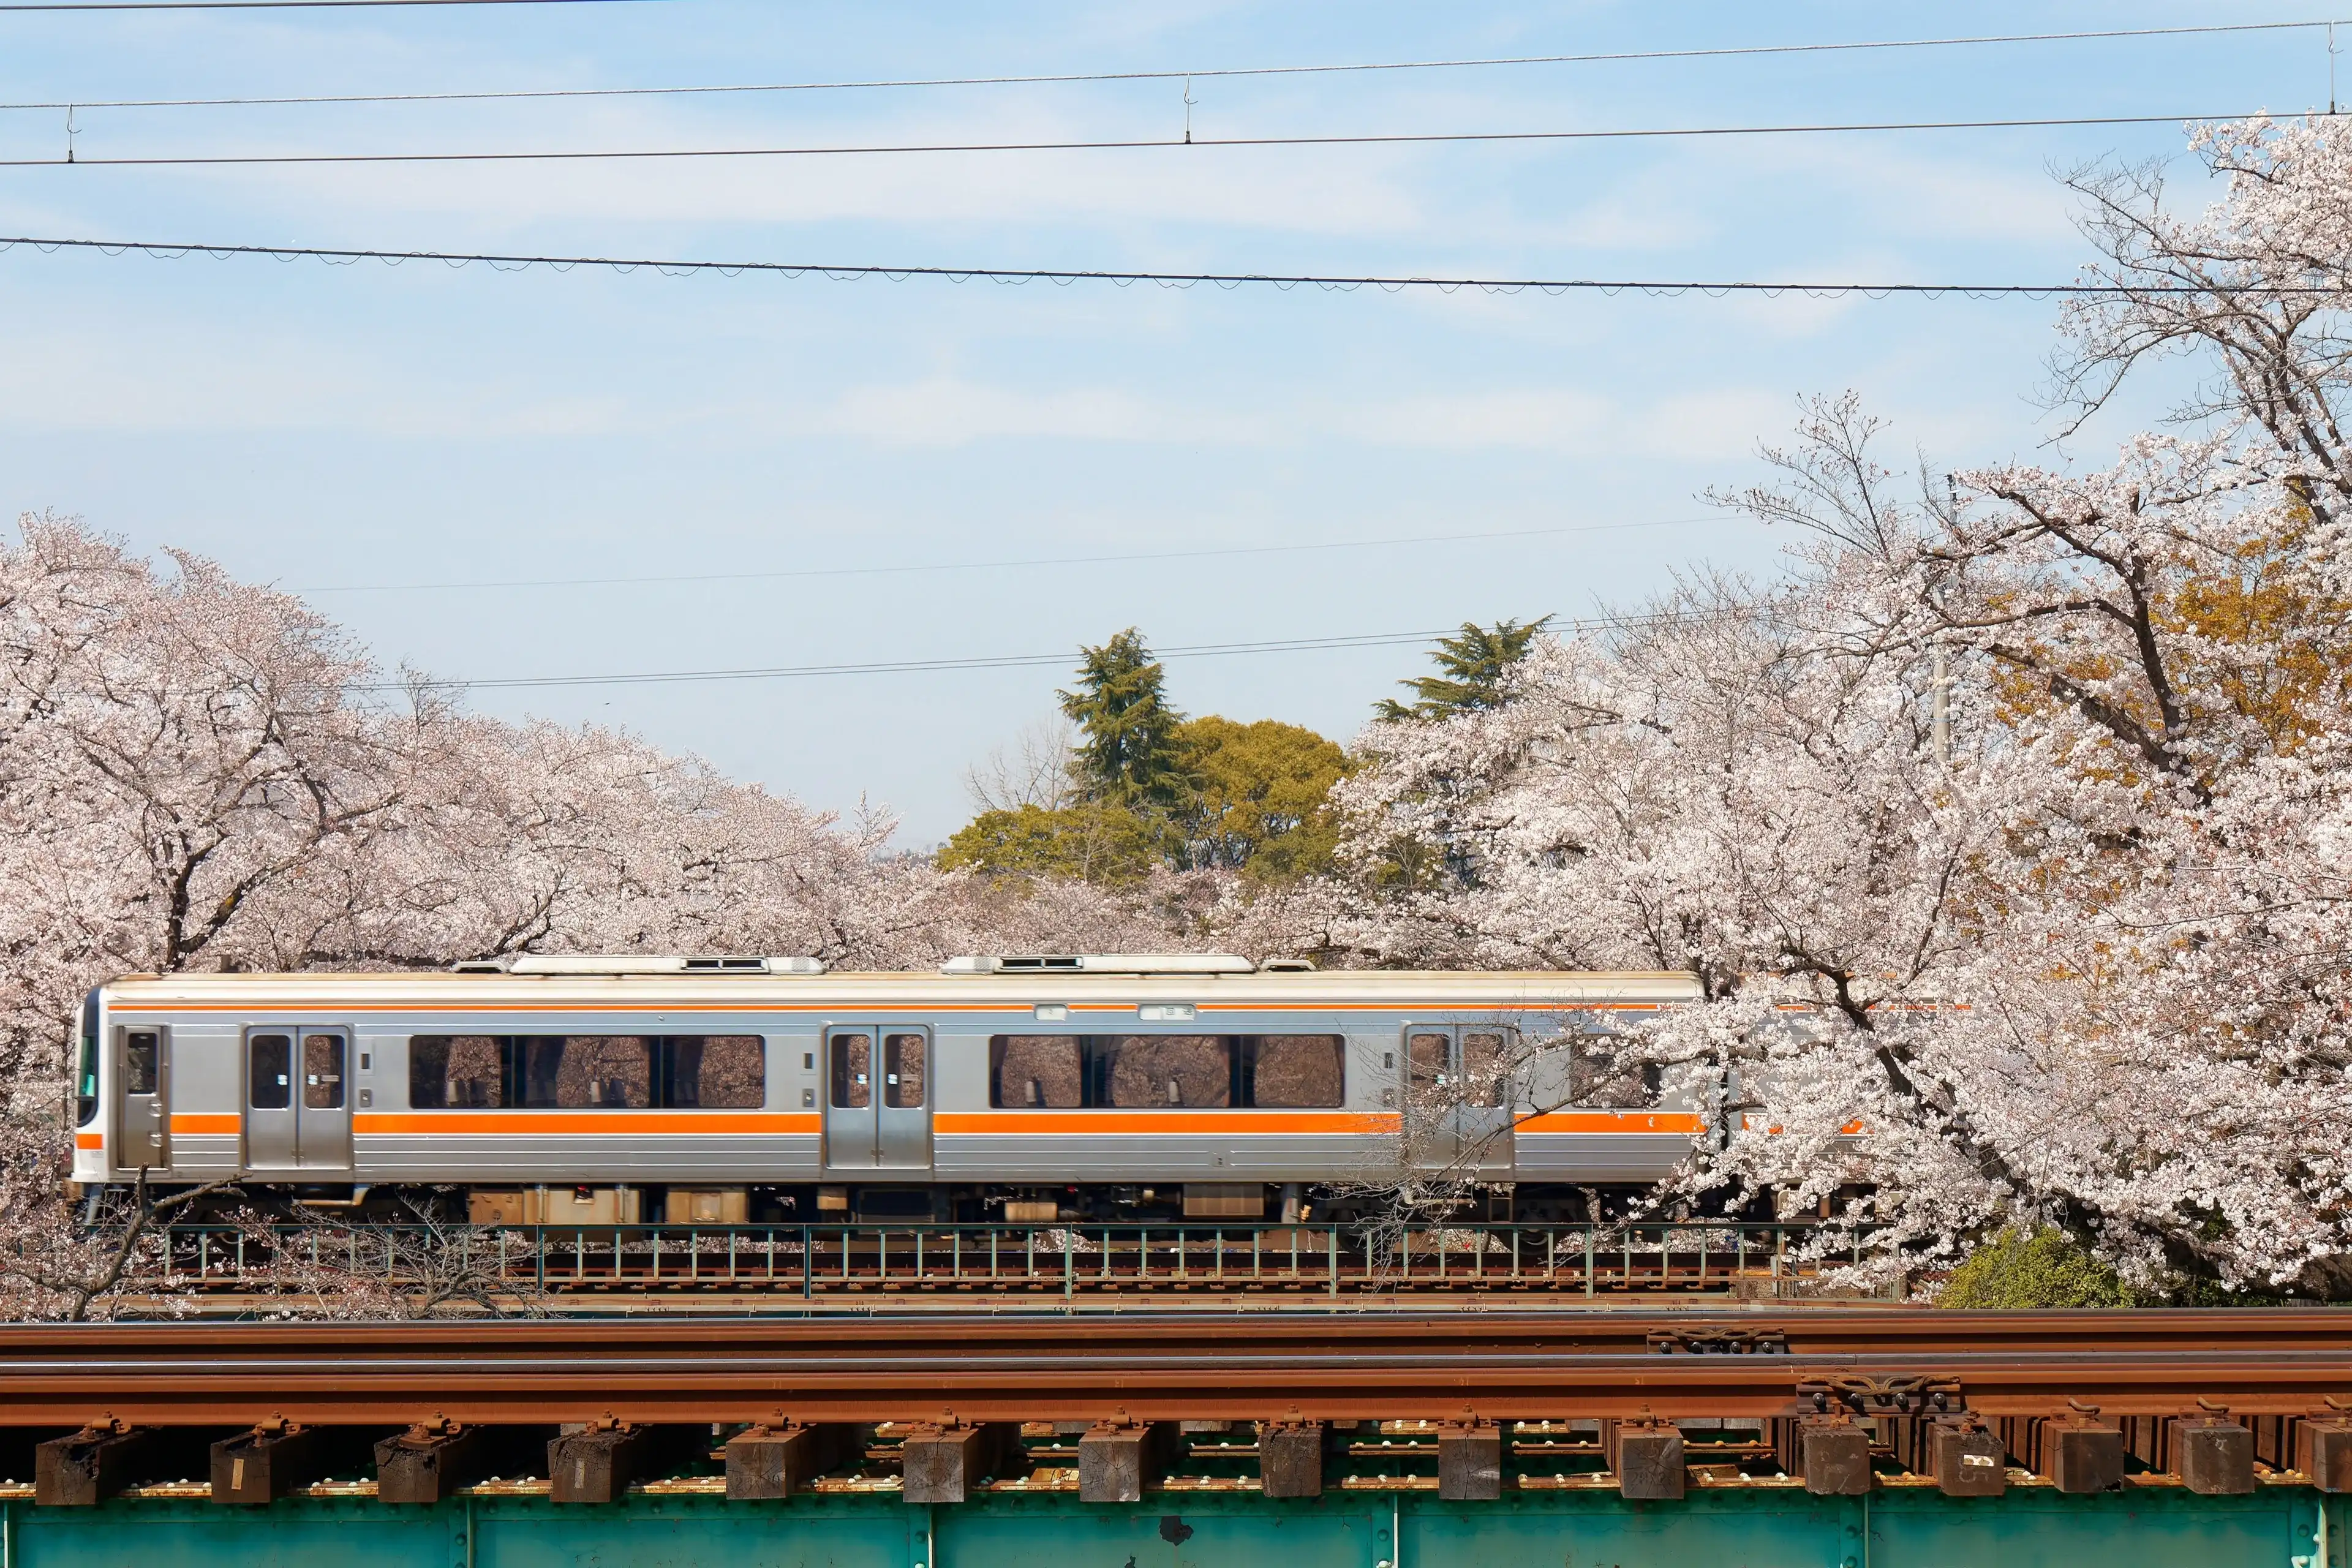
column 1099, row 963
column 617, row 963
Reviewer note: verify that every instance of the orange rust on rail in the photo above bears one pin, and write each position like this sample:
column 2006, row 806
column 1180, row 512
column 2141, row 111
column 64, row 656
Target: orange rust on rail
column 1358, row 1365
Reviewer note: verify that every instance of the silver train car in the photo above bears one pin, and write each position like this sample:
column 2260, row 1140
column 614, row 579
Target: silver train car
column 628, row 1089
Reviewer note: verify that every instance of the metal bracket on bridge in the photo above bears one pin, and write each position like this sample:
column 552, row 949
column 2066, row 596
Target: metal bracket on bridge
column 1857, row 1396
column 1715, row 1338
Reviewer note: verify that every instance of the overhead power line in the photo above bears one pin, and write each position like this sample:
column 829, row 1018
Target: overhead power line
column 891, row 667
column 1112, row 145
column 1344, row 282
column 1003, row 661
column 279, row 5
column 1010, row 565
column 1066, row 78
column 266, row 6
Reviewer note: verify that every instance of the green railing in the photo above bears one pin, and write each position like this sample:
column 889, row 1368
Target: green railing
column 1590, row 1259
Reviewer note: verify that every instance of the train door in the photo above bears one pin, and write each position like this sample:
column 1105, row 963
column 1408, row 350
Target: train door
column 1458, row 1096
column 877, row 1104
column 298, row 1114
column 142, row 1119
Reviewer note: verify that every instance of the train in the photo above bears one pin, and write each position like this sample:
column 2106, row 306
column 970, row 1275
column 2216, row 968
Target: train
column 727, row 1088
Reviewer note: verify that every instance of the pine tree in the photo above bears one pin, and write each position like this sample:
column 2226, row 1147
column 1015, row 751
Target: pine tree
column 1474, row 665
column 1131, row 752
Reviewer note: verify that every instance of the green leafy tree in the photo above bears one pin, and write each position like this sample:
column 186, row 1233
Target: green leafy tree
column 1151, row 787
column 1260, row 794
column 1090, row 842
column 1473, row 666
column 1129, row 753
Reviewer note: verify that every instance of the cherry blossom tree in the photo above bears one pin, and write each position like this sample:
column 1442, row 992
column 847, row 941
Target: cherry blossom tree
column 198, row 773
column 2073, row 953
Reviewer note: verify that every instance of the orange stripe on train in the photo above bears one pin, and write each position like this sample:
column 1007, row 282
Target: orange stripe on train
column 950, row 1123
column 1612, row 1121
column 458, row 1123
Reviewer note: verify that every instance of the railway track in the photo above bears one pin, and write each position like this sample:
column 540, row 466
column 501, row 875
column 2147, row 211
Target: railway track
column 1882, row 1384
column 1519, row 1366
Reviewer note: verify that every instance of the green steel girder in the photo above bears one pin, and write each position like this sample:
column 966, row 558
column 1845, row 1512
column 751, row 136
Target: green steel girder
column 2277, row 1526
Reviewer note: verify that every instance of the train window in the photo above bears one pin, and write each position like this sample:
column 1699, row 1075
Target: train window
column 1193, row 1071
column 143, row 1054
column 588, row 1072
column 1429, row 1060
column 86, row 1090
column 726, row 1072
column 904, row 1057
column 1294, row 1070
column 1037, row 1070
column 322, row 1073
column 1199, row 1072
column 449, row 1071
column 1598, row 1079
column 852, row 1071
column 269, row 1069
column 1486, row 1068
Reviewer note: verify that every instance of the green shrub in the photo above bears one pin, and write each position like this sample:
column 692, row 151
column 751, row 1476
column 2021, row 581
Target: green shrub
column 2019, row 1269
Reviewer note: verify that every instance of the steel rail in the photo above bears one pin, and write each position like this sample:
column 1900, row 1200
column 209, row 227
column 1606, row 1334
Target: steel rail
column 1808, row 1328
column 1237, row 1366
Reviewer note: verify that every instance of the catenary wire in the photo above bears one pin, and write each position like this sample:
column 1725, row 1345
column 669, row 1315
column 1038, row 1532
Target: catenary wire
column 1112, row 145
column 1207, row 75
column 1009, row 565
column 281, row 4
column 1392, row 282
column 1003, row 661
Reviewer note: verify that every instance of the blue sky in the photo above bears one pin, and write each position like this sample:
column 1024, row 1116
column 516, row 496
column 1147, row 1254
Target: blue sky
column 333, row 429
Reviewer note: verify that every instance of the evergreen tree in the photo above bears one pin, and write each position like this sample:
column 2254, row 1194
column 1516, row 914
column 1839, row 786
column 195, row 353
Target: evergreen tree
column 1473, row 666
column 1090, row 842
column 1131, row 753
column 1260, row 801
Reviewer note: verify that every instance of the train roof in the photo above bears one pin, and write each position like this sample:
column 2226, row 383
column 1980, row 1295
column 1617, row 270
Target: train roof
column 726, row 992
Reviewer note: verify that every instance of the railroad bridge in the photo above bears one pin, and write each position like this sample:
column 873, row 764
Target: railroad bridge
column 1407, row 1438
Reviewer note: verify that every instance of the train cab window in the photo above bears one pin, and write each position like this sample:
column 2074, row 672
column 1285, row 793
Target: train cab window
column 1036, row 1071
column 726, row 1072
column 86, row 1085
column 143, row 1060
column 269, row 1068
column 852, row 1071
column 904, row 1059
column 1193, row 1071
column 1294, row 1071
